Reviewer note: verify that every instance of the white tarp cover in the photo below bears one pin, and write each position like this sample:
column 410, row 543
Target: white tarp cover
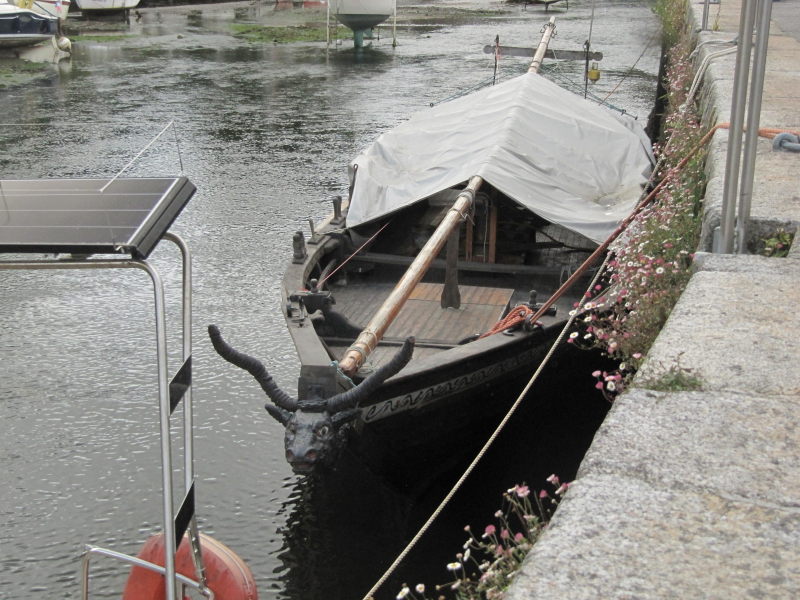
column 566, row 159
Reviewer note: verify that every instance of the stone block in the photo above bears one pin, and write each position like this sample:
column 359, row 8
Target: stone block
column 620, row 537
column 732, row 329
column 735, row 445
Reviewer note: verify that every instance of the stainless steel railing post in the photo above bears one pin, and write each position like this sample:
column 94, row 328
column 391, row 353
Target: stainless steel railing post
column 171, row 581
column 740, row 80
column 753, row 122
column 164, row 410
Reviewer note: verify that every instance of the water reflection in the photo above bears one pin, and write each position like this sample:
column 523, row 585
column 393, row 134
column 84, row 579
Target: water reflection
column 341, row 530
column 265, row 132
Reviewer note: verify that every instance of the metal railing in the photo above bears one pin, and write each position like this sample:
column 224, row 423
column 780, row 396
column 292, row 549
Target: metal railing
column 733, row 227
column 167, row 402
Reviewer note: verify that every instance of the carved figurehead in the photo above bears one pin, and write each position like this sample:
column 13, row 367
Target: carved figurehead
column 313, row 426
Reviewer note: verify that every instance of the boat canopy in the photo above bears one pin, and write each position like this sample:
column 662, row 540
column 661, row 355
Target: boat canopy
column 562, row 157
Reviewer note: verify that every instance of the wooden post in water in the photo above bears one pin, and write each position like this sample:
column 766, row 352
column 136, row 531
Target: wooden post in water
column 368, row 339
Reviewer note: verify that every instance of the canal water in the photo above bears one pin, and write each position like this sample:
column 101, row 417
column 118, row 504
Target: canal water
column 265, row 132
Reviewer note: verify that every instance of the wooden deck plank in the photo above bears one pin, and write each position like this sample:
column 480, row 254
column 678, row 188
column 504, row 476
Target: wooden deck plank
column 422, row 316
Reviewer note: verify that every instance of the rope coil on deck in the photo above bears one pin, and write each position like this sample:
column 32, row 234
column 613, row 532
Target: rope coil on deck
column 515, row 317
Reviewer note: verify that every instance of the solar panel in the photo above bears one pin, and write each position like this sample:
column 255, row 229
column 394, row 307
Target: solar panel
column 89, row 216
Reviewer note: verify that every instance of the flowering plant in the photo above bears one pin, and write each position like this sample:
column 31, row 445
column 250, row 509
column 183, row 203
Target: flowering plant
column 490, row 561
column 650, row 263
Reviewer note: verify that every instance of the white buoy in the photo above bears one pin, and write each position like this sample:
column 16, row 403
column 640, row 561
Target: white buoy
column 64, row 44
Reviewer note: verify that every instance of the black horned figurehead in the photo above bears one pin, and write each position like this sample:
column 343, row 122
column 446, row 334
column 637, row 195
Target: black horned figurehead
column 311, row 424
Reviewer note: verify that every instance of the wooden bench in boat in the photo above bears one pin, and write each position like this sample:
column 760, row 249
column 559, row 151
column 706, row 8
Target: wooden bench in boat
column 480, row 267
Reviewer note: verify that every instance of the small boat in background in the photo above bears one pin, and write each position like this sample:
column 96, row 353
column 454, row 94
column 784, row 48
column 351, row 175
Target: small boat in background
column 105, row 6
column 53, row 8
column 24, row 27
column 21, row 27
column 362, row 15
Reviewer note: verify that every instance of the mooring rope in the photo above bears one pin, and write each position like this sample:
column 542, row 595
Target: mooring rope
column 573, row 314
column 478, row 86
column 633, row 66
column 142, row 151
column 347, row 260
column 481, row 452
column 515, row 316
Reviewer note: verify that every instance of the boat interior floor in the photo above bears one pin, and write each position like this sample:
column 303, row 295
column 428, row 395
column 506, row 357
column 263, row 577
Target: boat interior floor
column 435, row 328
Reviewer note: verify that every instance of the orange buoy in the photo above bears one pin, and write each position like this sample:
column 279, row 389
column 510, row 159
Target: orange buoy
column 227, row 575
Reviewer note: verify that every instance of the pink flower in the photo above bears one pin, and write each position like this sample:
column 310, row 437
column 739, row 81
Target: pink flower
column 596, row 373
column 490, row 529
column 543, row 494
column 519, row 537
column 553, row 479
column 522, row 490
column 505, row 534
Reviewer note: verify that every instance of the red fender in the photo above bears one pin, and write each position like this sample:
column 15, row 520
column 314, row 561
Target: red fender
column 226, row 574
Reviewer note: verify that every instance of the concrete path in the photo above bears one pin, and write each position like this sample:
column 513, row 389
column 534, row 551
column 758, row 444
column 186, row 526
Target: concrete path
column 697, row 494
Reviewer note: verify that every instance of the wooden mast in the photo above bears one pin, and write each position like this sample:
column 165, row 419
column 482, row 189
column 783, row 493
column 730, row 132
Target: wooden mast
column 538, row 57
column 368, row 339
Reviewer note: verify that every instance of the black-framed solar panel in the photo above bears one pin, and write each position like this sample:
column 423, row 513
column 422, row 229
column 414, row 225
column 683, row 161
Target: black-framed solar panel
column 89, row 216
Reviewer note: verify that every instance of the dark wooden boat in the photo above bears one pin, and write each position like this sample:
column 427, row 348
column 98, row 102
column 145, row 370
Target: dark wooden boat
column 548, row 176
